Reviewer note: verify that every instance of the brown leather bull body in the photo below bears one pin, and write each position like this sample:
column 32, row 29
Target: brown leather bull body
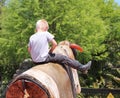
column 45, row 81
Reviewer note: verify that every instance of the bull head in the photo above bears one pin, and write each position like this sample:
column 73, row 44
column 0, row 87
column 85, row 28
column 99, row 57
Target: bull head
column 72, row 46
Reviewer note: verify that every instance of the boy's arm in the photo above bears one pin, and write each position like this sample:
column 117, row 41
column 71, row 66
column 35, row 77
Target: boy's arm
column 54, row 44
column 29, row 49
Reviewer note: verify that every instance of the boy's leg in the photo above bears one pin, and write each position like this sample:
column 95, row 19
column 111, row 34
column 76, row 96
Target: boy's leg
column 61, row 59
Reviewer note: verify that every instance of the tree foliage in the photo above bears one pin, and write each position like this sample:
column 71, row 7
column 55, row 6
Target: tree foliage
column 93, row 24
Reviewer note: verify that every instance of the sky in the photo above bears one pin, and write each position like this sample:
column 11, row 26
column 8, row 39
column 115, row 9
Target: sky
column 117, row 1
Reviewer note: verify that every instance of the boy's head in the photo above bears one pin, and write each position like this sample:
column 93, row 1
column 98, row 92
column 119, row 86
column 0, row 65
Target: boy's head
column 42, row 25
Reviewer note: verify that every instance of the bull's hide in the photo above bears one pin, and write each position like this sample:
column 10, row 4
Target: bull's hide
column 45, row 81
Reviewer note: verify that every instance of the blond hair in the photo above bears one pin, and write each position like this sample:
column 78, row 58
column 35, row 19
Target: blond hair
column 42, row 25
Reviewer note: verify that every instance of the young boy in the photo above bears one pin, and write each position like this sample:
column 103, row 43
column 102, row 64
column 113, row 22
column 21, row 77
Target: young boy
column 39, row 48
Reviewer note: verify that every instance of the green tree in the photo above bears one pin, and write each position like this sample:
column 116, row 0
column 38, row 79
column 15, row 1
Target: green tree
column 107, row 67
column 93, row 24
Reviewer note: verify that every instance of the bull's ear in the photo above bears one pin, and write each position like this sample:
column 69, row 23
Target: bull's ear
column 75, row 46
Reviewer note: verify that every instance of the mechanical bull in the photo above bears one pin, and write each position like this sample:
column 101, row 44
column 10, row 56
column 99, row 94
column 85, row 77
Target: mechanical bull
column 50, row 80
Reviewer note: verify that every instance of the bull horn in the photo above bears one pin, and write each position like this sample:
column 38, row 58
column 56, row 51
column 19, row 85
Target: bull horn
column 75, row 46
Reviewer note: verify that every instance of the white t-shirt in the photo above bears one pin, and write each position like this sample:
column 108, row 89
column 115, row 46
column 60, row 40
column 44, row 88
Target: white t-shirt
column 39, row 45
